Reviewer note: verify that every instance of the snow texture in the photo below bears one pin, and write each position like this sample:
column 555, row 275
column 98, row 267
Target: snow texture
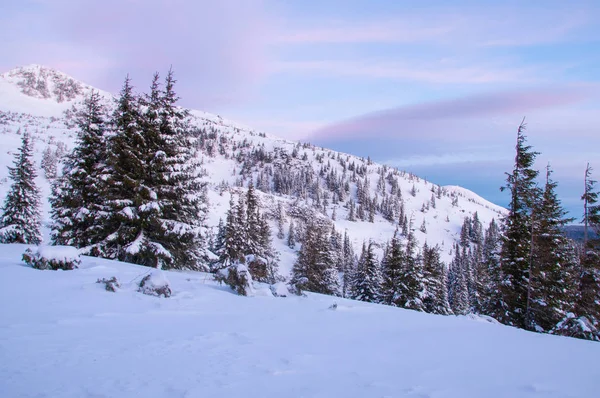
column 62, row 335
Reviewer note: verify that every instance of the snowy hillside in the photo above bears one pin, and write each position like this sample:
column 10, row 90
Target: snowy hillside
column 63, row 335
column 39, row 100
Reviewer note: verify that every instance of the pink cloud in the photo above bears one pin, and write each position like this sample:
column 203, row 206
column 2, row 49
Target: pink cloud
column 428, row 72
column 219, row 49
column 437, row 120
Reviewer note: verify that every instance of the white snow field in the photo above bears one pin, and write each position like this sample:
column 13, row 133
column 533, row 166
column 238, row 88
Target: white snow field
column 63, row 335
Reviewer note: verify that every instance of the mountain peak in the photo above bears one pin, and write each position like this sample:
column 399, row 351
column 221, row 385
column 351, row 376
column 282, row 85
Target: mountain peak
column 42, row 82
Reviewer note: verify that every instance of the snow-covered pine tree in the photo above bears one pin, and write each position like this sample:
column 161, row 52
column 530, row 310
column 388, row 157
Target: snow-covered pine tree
column 178, row 178
column 280, row 216
column 435, row 295
column 585, row 321
column 158, row 195
column 367, row 279
column 79, row 210
column 49, row 163
column 490, row 279
column 314, row 270
column 411, row 287
column 392, row 269
column 291, row 239
column 516, row 243
column 21, row 218
column 458, row 282
column 348, row 265
column 552, row 288
column 591, row 211
column 126, row 192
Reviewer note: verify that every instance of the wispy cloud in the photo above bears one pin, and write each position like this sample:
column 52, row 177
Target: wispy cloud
column 428, row 72
column 430, row 118
column 484, row 26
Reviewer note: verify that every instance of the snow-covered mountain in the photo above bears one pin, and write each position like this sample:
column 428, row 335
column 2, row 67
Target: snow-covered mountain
column 39, row 100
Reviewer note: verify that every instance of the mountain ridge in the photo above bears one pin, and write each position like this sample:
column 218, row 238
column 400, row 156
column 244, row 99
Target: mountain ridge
column 234, row 154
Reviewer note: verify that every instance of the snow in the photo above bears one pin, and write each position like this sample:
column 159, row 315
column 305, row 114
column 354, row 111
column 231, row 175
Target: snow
column 64, row 335
column 59, row 253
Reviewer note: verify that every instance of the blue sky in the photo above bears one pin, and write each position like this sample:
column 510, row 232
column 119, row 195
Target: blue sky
column 433, row 87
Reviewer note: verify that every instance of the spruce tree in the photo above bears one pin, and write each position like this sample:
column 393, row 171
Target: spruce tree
column 348, row 266
column 492, row 277
column 367, row 280
column 516, row 243
column 157, row 193
column 314, row 270
column 435, row 294
column 411, row 283
column 585, row 322
column 591, row 211
column 458, row 283
column 291, row 240
column 393, row 267
column 126, row 192
column 552, row 284
column 21, row 218
column 79, row 209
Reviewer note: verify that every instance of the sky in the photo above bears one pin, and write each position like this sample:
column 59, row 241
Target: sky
column 433, row 87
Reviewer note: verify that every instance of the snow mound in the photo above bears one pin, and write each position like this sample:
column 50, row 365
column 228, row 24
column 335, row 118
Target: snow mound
column 53, row 258
column 155, row 284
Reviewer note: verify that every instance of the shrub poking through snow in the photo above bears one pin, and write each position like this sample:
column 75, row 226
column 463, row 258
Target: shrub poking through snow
column 578, row 327
column 155, row 284
column 53, row 258
column 111, row 285
column 238, row 278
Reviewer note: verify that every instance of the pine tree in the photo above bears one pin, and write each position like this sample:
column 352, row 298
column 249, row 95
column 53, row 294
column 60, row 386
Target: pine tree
column 21, row 218
column 158, row 196
column 79, row 209
column 435, row 294
column 49, row 163
column 291, row 240
column 591, row 211
column 367, row 280
column 126, row 193
column 280, row 221
column 314, row 270
column 516, row 242
column 348, row 266
column 458, row 283
column 585, row 321
column 552, row 283
column 393, row 267
column 492, row 277
column 411, row 283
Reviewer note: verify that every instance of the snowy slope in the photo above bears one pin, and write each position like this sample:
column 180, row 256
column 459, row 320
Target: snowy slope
column 28, row 101
column 63, row 335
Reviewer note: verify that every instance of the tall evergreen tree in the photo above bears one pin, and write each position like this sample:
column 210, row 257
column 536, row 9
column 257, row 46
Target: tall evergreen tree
column 367, row 280
column 158, row 196
column 591, row 211
column 411, row 283
column 585, row 322
column 492, row 277
column 458, row 284
column 79, row 209
column 21, row 218
column 516, row 244
column 314, row 270
column 435, row 294
column 348, row 265
column 552, row 284
column 393, row 267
